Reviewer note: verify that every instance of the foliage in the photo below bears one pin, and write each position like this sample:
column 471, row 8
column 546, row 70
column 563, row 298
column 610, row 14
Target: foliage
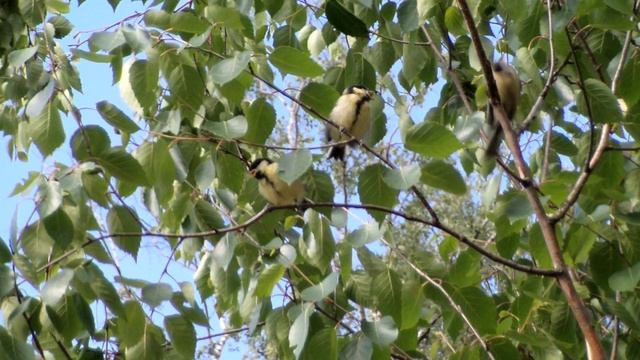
column 459, row 256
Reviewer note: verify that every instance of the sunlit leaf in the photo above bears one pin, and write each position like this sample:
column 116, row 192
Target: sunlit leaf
column 295, row 62
column 228, row 69
column 432, row 140
column 293, row 165
column 322, row 290
column 382, row 332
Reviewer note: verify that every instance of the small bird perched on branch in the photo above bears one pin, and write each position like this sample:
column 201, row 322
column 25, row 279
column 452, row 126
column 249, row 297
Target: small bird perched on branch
column 508, row 84
column 351, row 113
column 272, row 187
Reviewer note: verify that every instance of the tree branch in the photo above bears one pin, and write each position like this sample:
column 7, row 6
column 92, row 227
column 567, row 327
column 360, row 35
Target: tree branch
column 443, row 227
column 594, row 346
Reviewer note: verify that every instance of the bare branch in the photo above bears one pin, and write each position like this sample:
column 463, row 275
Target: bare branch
column 239, row 227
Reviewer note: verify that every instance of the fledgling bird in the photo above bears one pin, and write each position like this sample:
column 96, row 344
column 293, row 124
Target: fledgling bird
column 508, row 84
column 272, row 187
column 352, row 113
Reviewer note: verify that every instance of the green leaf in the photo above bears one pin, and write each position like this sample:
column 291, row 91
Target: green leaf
column 319, row 97
column 322, row 290
column 121, row 220
column 444, row 176
column 105, row 290
column 344, row 21
column 628, row 88
column 412, row 303
column 408, row 16
column 50, row 198
column 187, row 85
column 116, row 118
column 295, row 62
column 414, row 59
column 60, row 227
column 182, row 335
column 233, row 128
column 373, row 190
column 160, row 18
column 514, row 205
column 382, row 56
column 382, row 332
column 150, row 347
column 261, row 119
column 228, row 69
column 387, row 288
column 625, row 280
column 155, row 294
column 184, row 21
column 229, row 17
column 96, row 188
column 562, row 145
column 325, row 340
column 604, row 105
column 318, row 245
column 39, row 101
column 136, row 38
column 299, row 329
column 360, row 348
column 46, row 129
column 89, row 140
column 55, row 288
column 454, row 21
column 467, row 269
column 5, row 252
column 319, row 188
column 131, row 325
column 143, row 79
column 431, row 139
column 119, row 163
column 14, row 348
column 402, row 178
column 478, row 307
column 156, row 160
column 17, row 58
column 365, row 234
column 293, row 165
column 268, row 279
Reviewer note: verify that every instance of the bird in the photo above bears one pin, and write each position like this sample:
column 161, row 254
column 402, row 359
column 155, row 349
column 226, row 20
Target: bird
column 275, row 190
column 351, row 113
column 508, row 84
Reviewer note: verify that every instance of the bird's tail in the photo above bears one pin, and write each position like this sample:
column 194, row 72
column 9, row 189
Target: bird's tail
column 494, row 143
column 337, row 152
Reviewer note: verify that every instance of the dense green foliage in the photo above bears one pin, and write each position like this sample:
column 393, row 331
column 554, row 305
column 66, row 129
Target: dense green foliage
column 453, row 257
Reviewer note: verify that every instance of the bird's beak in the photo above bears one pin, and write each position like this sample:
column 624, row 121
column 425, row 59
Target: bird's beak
column 252, row 172
column 372, row 93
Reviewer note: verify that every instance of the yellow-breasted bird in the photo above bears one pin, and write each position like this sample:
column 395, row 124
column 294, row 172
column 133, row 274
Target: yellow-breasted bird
column 272, row 187
column 351, row 113
column 508, row 84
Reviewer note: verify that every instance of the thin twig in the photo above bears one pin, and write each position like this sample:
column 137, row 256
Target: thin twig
column 547, row 152
column 450, row 300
